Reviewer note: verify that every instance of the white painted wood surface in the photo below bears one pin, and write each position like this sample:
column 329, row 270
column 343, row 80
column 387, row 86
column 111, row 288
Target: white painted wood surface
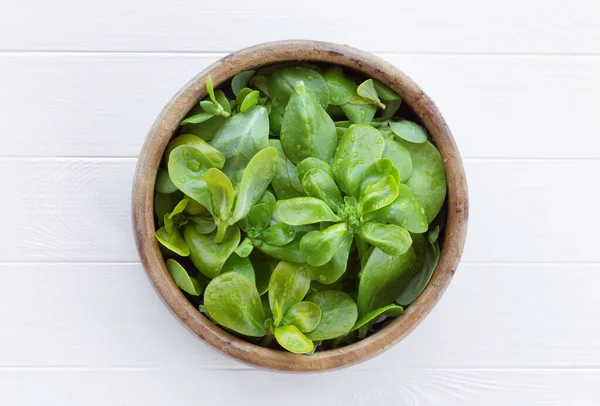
column 80, row 85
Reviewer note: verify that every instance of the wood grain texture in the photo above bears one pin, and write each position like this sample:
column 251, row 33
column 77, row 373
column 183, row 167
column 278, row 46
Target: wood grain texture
column 78, row 209
column 91, row 104
column 390, row 387
column 109, row 316
column 461, row 26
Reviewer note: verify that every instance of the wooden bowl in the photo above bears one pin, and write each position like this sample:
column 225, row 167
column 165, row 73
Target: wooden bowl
column 255, row 57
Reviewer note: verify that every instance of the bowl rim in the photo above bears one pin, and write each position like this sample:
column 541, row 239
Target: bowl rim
column 254, row 57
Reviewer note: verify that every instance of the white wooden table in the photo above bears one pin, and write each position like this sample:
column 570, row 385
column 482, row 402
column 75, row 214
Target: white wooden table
column 80, row 84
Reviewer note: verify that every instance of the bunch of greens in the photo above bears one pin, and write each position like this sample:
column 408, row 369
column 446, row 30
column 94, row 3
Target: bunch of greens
column 298, row 209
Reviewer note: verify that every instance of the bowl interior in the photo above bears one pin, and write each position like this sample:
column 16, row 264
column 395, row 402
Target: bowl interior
column 416, row 106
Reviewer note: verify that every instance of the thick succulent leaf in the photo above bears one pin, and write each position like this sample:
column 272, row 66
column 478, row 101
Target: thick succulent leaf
column 339, row 314
column 241, row 137
column 304, row 210
column 243, row 266
column 367, row 91
column 288, row 286
column 245, row 248
column 221, row 190
column 383, row 278
column 163, row 182
column 289, row 252
column 341, row 87
column 249, row 101
column 173, row 241
column 319, row 184
column 255, row 180
column 428, row 178
column 319, row 247
column 398, row 155
column 204, row 225
column 263, row 271
column 389, row 238
column 187, row 168
column 360, row 146
column 198, row 118
column 259, row 217
column 193, row 208
column 285, row 182
column 377, row 170
column 409, row 131
column 292, row 339
column 182, row 279
column 335, row 268
column 405, row 211
column 306, row 129
column 365, row 322
column 309, row 163
column 279, row 234
column 207, row 129
column 391, row 107
column 378, row 194
column 241, row 81
column 284, row 79
column 359, row 113
column 304, row 315
column 207, row 255
column 164, row 203
column 419, row 282
column 275, row 119
column 232, row 301
column 384, row 92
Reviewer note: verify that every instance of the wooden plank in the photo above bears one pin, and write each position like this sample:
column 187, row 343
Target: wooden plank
column 79, row 210
column 430, row 26
column 108, row 315
column 104, row 104
column 393, row 386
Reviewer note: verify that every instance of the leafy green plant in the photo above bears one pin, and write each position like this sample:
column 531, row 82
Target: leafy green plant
column 298, row 209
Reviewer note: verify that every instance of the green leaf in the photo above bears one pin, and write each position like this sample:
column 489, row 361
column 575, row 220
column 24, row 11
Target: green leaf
column 339, row 313
column 241, row 137
column 288, row 286
column 275, row 119
column 261, row 83
column 221, row 190
column 309, row 163
column 335, row 268
column 289, row 252
column 173, row 241
column 290, row 338
column 304, row 315
column 255, row 180
column 360, row 146
column 304, row 210
column 359, row 113
column 398, row 155
column 279, row 234
column 198, row 118
column 263, row 271
column 378, row 170
column 259, row 217
column 367, row 91
column 187, row 168
column 283, row 81
column 434, row 234
column 384, row 92
column 365, row 322
column 405, row 211
column 164, row 204
column 389, row 238
column 204, row 225
column 378, row 194
column 163, row 182
column 207, row 129
column 285, row 182
column 409, row 131
column 207, row 255
column 341, row 87
column 391, row 108
column 232, row 301
column 241, row 81
column 319, row 247
column 383, row 278
column 428, row 178
column 419, row 282
column 319, row 184
column 213, row 108
column 182, row 279
column 306, row 129
column 243, row 266
column 250, row 100
column 210, row 88
column 245, row 248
